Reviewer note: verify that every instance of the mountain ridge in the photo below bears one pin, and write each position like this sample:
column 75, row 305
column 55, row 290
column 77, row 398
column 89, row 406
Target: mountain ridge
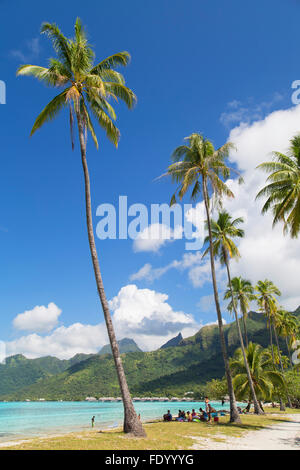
column 167, row 371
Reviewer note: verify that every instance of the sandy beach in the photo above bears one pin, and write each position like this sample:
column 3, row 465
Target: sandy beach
column 279, row 432
column 280, row 436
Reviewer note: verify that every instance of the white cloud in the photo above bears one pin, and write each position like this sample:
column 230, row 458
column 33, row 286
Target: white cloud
column 265, row 252
column 153, row 237
column 64, row 342
column 40, row 319
column 145, row 315
column 141, row 314
column 148, row 273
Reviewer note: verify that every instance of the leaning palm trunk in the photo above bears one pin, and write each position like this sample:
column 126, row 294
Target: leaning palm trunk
column 281, row 366
column 257, row 409
column 234, row 414
column 131, row 422
column 245, row 331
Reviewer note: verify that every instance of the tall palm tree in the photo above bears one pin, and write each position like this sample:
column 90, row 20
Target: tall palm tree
column 200, row 167
column 287, row 326
column 88, row 87
column 283, row 188
column 266, row 292
column 243, row 294
column 223, row 231
column 264, row 377
column 268, row 305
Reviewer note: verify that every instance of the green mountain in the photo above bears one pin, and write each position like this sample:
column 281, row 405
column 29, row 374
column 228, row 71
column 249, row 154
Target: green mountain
column 168, row 371
column 18, row 371
column 126, row 345
column 173, row 342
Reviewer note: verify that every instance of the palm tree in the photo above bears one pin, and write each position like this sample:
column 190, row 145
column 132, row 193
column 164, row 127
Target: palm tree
column 268, row 305
column 88, row 86
column 199, row 166
column 223, row 231
column 287, row 326
column 283, row 190
column 264, row 377
column 267, row 302
column 243, row 294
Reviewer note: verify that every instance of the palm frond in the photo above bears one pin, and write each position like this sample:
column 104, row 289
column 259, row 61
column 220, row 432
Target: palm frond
column 51, row 110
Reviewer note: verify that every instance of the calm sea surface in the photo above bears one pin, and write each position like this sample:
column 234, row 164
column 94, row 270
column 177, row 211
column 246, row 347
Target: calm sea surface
column 29, row 419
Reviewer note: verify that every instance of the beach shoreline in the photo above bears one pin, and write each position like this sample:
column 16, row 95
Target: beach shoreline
column 256, row 432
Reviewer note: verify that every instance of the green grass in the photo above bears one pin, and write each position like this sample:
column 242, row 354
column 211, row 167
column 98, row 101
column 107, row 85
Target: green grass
column 160, row 436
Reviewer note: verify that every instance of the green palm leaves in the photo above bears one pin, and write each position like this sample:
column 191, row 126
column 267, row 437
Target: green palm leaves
column 264, row 378
column 266, row 292
column 196, row 161
column 223, row 230
column 283, row 190
column 88, row 87
column 241, row 294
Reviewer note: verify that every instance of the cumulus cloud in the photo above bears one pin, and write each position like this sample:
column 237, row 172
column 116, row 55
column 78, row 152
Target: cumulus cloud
column 145, row 315
column 265, row 252
column 40, row 319
column 141, row 314
column 153, row 237
column 64, row 342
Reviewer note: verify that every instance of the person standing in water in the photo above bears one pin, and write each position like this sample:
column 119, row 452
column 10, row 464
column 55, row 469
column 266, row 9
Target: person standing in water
column 93, row 421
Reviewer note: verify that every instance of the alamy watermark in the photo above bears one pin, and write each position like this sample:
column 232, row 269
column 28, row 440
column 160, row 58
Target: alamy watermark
column 159, row 222
column 2, row 92
column 296, row 94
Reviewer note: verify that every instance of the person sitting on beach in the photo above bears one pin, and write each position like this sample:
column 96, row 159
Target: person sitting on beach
column 189, row 417
column 167, row 416
column 194, row 413
column 203, row 415
column 183, row 416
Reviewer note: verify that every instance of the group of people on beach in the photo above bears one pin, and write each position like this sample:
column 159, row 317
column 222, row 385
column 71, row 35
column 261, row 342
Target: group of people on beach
column 203, row 415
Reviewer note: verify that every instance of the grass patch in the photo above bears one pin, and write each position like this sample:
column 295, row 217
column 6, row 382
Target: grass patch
column 160, row 436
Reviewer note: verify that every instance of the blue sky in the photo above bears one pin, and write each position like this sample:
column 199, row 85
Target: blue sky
column 196, row 66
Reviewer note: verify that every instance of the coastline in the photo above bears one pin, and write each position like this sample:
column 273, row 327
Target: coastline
column 274, row 430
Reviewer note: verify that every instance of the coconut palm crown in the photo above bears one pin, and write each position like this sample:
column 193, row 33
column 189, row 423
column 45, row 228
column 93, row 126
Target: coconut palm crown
column 283, row 188
column 223, row 230
column 198, row 160
column 86, row 86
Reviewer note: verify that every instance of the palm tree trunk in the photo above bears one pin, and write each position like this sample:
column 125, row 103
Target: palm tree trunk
column 281, row 366
column 234, row 414
column 245, row 331
column 282, row 407
column 257, row 409
column 289, row 351
column 131, row 422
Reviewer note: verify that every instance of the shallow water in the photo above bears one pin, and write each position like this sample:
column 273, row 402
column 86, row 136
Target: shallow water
column 30, row 419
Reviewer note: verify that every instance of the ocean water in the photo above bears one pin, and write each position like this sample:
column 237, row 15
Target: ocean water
column 31, row 419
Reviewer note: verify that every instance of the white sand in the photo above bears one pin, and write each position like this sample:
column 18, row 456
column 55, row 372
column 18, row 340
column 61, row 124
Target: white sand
column 279, row 436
